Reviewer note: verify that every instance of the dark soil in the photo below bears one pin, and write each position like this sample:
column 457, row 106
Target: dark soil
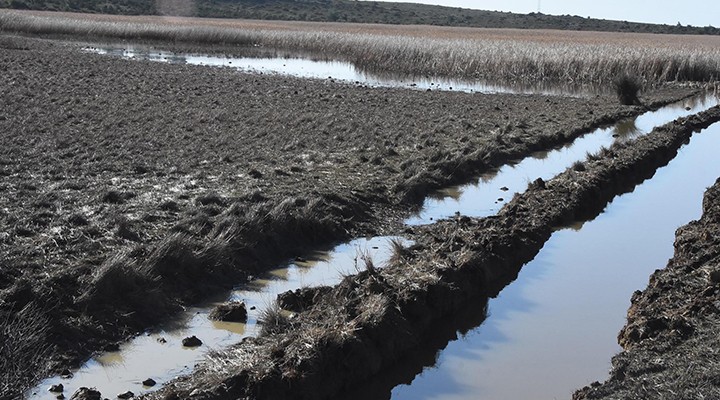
column 671, row 337
column 367, row 323
column 129, row 188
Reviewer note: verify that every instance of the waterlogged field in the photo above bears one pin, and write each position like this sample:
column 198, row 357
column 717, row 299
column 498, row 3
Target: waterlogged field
column 132, row 189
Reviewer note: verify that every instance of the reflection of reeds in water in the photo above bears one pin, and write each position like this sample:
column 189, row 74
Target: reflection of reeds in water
column 454, row 192
column 501, row 56
column 625, row 130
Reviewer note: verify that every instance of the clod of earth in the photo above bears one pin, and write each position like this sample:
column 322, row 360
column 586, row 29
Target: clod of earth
column 233, row 311
column 191, row 341
column 85, row 393
column 57, row 388
column 301, row 299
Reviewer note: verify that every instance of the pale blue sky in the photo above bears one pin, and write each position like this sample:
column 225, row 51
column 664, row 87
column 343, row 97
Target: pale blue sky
column 687, row 12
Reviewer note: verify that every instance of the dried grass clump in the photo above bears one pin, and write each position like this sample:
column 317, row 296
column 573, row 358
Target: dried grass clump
column 399, row 252
column 121, row 284
column 181, row 258
column 273, row 320
column 364, row 261
column 24, row 347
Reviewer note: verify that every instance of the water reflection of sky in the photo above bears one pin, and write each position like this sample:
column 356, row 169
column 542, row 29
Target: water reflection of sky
column 308, row 67
column 159, row 353
column 554, row 329
column 487, row 196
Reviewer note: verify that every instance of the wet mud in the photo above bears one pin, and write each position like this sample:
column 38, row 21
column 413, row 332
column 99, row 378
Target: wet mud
column 371, row 320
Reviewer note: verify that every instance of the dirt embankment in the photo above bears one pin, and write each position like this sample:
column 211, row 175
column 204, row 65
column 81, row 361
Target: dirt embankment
column 671, row 343
column 129, row 188
column 365, row 324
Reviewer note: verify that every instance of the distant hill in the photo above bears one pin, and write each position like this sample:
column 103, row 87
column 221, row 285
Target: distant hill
column 352, row 11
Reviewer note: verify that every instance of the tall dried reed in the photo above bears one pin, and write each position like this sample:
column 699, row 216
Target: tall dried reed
column 502, row 56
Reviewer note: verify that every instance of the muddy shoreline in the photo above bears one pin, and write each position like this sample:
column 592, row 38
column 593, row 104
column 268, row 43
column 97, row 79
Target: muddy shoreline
column 131, row 188
column 370, row 320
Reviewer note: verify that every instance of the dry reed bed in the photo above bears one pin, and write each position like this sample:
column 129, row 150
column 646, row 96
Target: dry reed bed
column 519, row 57
column 367, row 322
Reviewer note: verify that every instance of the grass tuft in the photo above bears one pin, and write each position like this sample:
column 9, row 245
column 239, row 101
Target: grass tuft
column 364, row 259
column 399, row 252
column 273, row 320
column 627, row 88
column 24, row 347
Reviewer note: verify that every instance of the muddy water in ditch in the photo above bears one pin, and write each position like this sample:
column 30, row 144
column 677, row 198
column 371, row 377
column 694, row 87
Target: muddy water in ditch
column 303, row 66
column 160, row 355
column 554, row 329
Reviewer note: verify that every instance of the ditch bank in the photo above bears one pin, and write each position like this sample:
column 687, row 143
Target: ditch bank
column 670, row 340
column 127, row 195
column 362, row 326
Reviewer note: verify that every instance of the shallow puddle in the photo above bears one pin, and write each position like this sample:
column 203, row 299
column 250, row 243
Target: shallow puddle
column 308, row 67
column 554, row 330
column 160, row 355
column 495, row 188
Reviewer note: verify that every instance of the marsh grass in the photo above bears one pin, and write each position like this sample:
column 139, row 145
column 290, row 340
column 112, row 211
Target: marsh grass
column 501, row 56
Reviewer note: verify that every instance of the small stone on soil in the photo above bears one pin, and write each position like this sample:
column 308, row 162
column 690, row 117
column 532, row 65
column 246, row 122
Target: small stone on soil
column 504, row 188
column 149, row 382
column 126, row 395
column 57, row 388
column 162, row 340
column 191, row 341
column 66, row 374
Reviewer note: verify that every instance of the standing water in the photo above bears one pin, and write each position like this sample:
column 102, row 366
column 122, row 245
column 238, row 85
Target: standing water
column 308, row 67
column 497, row 187
column 159, row 354
column 555, row 328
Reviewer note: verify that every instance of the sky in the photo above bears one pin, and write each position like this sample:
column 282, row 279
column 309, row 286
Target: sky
column 687, row 12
